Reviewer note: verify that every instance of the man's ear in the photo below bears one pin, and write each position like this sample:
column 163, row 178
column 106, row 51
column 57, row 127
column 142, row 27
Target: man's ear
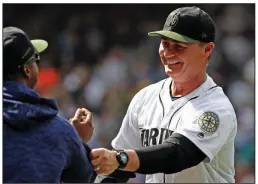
column 26, row 71
column 208, row 49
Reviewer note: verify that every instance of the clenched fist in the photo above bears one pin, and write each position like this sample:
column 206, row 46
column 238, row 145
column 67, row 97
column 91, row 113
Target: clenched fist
column 82, row 121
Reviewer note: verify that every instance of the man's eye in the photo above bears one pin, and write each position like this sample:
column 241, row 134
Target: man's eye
column 165, row 44
column 178, row 47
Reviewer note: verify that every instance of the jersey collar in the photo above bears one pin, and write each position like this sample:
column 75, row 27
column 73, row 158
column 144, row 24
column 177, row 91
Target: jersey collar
column 201, row 90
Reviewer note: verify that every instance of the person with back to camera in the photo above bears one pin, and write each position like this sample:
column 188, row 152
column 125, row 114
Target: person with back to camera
column 38, row 145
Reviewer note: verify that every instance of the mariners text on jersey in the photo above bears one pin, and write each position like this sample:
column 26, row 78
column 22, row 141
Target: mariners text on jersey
column 154, row 136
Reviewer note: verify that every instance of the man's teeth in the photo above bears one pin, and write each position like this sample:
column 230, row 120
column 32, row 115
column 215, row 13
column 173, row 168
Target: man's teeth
column 173, row 62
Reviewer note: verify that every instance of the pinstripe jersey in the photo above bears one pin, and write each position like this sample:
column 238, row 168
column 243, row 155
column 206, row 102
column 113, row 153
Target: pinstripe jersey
column 205, row 116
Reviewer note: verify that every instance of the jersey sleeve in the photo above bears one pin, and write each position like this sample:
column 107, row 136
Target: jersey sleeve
column 209, row 129
column 128, row 136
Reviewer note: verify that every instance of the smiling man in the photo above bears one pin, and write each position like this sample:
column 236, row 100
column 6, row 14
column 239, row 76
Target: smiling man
column 181, row 129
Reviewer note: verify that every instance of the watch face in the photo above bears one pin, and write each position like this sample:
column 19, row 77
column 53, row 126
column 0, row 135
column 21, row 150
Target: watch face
column 123, row 158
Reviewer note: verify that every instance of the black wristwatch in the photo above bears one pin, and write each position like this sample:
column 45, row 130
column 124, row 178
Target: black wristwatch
column 122, row 158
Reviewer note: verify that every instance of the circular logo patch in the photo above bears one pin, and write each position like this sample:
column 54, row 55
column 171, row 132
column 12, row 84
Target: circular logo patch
column 174, row 20
column 209, row 122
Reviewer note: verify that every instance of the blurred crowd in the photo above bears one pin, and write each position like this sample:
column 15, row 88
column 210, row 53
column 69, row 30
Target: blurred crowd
column 100, row 56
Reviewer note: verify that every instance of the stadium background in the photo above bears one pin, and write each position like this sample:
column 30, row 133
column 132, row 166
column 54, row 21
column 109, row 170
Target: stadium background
column 99, row 56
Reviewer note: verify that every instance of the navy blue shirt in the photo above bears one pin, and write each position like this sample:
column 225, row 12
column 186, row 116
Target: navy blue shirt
column 38, row 145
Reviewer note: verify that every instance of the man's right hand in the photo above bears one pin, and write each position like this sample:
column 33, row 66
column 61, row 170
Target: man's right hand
column 82, row 121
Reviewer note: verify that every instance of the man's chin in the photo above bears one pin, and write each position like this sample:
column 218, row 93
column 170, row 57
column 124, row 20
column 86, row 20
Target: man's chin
column 170, row 73
column 173, row 75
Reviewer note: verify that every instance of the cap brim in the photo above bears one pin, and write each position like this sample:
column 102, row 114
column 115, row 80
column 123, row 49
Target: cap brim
column 40, row 45
column 173, row 35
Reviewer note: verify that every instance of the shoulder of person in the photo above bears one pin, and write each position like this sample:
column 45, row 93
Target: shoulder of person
column 217, row 111
column 217, row 96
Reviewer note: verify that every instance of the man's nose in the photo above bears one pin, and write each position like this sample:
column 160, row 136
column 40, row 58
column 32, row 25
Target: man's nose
column 169, row 53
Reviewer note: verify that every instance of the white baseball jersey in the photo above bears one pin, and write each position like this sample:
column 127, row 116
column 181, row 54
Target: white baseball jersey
column 205, row 116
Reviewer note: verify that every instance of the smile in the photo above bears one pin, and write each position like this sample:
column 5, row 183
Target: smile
column 173, row 62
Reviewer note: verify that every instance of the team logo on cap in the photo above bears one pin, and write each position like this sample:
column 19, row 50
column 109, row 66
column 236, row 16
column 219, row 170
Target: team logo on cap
column 174, row 19
column 209, row 122
column 26, row 53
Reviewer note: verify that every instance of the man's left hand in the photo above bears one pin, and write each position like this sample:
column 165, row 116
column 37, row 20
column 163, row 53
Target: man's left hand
column 82, row 121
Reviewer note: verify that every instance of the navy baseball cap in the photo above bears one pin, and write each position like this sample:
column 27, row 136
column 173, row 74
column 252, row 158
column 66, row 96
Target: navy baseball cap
column 18, row 48
column 188, row 25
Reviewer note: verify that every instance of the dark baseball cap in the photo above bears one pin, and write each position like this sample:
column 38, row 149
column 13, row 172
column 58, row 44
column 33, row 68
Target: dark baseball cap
column 188, row 25
column 18, row 48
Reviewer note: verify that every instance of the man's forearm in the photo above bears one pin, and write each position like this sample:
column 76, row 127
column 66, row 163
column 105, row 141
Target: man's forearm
column 176, row 154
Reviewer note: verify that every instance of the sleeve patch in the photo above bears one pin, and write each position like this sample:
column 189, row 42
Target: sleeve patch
column 208, row 122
